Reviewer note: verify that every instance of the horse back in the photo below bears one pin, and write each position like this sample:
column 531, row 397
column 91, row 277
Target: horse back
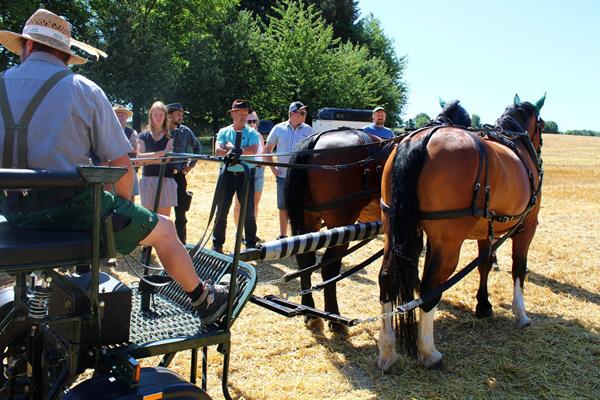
column 456, row 163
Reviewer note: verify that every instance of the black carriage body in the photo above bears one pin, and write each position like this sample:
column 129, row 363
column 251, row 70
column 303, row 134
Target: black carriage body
column 70, row 297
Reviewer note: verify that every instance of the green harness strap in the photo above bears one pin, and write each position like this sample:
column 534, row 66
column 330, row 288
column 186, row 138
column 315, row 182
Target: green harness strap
column 20, row 130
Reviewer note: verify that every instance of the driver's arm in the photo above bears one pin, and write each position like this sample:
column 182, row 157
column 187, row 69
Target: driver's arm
column 124, row 186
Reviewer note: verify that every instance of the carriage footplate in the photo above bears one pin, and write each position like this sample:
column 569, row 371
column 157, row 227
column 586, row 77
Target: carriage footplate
column 290, row 309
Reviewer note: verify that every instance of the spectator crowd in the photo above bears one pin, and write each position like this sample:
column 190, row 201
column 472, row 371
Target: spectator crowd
column 165, row 133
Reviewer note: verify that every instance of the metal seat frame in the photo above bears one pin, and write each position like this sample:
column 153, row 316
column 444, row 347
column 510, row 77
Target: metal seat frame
column 208, row 265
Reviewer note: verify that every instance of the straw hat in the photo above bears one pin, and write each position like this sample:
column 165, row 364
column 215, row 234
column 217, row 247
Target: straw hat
column 121, row 108
column 51, row 30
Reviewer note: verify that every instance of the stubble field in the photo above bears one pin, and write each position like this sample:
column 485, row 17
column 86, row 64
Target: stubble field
column 558, row 356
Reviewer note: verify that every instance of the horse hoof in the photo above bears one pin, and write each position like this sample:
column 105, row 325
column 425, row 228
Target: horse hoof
column 338, row 329
column 484, row 312
column 384, row 363
column 436, row 365
column 432, row 361
column 523, row 322
column 314, row 324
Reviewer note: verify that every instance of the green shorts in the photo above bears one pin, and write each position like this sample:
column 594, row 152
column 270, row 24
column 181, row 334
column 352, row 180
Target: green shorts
column 131, row 222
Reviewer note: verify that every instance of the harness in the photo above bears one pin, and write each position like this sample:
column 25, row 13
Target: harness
column 509, row 139
column 376, row 152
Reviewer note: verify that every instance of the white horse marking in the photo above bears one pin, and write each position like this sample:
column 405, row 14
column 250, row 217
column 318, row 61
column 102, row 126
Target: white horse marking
column 428, row 355
column 518, row 306
column 387, row 340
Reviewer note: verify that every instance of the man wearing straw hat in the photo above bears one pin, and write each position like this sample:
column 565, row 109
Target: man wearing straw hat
column 123, row 114
column 65, row 120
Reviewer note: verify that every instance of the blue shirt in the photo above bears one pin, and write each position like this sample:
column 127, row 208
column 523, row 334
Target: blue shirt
column 285, row 137
column 382, row 132
column 72, row 126
column 250, row 137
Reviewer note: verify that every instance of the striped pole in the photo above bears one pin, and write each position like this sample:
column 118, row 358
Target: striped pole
column 308, row 242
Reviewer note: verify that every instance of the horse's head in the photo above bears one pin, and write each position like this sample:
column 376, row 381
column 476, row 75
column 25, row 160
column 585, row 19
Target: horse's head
column 455, row 113
column 523, row 116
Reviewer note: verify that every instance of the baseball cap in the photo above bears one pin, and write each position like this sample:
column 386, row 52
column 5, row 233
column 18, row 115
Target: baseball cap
column 295, row 106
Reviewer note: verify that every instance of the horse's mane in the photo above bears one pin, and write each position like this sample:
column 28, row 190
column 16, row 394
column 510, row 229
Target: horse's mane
column 518, row 113
column 455, row 113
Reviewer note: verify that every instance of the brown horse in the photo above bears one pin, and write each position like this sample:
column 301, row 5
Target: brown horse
column 335, row 198
column 453, row 185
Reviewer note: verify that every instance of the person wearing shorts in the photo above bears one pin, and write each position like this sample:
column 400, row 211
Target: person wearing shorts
column 74, row 124
column 284, row 136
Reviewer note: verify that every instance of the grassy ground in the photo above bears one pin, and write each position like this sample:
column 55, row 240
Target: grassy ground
column 558, row 356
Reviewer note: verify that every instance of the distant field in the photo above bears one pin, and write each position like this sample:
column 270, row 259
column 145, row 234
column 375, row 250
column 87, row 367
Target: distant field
column 558, row 356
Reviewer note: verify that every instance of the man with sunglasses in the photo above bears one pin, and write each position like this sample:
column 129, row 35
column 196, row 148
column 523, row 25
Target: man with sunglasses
column 284, row 136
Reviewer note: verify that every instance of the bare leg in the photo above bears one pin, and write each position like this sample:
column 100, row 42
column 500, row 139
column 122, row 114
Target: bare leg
column 172, row 254
column 283, row 222
column 257, row 196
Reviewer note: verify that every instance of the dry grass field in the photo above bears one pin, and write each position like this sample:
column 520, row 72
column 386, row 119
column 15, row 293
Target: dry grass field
column 558, row 356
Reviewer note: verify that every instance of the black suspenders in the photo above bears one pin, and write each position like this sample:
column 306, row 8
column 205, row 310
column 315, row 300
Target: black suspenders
column 20, row 130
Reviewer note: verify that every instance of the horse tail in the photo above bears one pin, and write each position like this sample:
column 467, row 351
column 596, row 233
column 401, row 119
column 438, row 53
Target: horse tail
column 406, row 238
column 296, row 185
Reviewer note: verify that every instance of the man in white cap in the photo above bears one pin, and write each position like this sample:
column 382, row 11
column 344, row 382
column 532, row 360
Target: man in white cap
column 284, row 136
column 378, row 128
column 65, row 120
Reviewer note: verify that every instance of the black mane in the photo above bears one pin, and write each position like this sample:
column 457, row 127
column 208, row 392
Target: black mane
column 515, row 116
column 454, row 113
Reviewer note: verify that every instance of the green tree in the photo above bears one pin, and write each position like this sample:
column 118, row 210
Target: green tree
column 144, row 40
column 421, row 120
column 304, row 61
column 222, row 65
column 475, row 121
column 370, row 34
column 410, row 124
column 551, row 127
column 340, row 14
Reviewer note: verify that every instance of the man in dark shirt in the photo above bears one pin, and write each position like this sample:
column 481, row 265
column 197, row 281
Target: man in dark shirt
column 184, row 141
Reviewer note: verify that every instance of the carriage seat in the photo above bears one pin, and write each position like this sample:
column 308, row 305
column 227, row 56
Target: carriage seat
column 25, row 247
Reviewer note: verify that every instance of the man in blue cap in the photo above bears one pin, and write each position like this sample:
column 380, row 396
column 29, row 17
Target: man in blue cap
column 378, row 128
column 184, row 141
column 285, row 135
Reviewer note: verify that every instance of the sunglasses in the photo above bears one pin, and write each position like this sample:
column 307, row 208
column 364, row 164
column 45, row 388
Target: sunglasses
column 303, row 113
column 252, row 121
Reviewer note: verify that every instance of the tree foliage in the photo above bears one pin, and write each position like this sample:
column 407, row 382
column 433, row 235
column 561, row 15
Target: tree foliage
column 421, row 120
column 205, row 53
column 551, row 127
column 475, row 121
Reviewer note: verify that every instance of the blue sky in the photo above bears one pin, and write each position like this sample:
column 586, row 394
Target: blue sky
column 482, row 52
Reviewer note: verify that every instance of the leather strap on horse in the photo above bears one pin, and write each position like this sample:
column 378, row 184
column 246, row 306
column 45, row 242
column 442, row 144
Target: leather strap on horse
column 20, row 130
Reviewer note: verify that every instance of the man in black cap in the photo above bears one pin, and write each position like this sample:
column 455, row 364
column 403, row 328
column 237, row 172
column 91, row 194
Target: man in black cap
column 184, row 141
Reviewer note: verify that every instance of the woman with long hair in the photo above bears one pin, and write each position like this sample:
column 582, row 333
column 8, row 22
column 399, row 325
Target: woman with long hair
column 155, row 141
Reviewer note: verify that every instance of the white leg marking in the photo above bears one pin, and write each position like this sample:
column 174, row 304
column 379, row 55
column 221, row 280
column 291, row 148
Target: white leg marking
column 428, row 355
column 518, row 306
column 387, row 341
